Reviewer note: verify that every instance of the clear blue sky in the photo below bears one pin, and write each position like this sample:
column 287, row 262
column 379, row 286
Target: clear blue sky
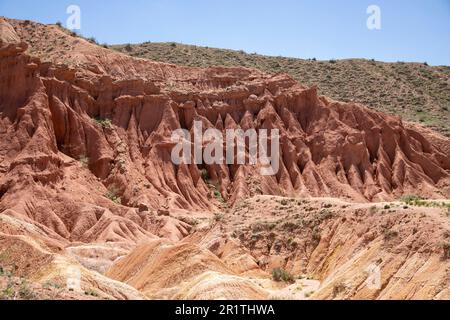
column 412, row 30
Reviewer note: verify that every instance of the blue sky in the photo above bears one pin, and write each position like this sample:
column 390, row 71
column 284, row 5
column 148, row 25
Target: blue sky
column 411, row 30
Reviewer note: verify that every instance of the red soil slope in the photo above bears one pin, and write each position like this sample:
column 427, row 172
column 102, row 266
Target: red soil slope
column 85, row 142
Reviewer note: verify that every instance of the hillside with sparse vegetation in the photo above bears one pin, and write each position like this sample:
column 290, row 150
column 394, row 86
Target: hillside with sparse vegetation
column 415, row 91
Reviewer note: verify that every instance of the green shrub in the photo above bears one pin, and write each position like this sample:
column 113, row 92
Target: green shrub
column 25, row 291
column 414, row 200
column 279, row 274
column 218, row 196
column 104, row 123
column 91, row 292
column 128, row 47
column 112, row 195
column 9, row 292
column 218, row 217
column 205, row 175
column 410, row 199
column 420, row 202
column 49, row 284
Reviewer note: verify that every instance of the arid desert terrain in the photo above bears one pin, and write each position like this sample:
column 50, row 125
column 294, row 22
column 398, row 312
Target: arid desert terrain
column 359, row 208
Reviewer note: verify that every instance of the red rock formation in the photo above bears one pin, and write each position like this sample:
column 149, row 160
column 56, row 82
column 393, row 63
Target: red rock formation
column 102, row 121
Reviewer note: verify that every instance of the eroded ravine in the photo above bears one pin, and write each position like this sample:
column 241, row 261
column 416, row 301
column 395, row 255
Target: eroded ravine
column 86, row 180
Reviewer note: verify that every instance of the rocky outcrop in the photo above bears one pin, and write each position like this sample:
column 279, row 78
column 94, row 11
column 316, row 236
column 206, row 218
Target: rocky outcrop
column 402, row 250
column 85, row 147
column 120, row 127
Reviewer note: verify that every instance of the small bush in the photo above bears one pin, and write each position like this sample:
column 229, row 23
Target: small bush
column 218, row 217
column 389, row 234
column 279, row 274
column 292, row 243
column 91, row 292
column 9, row 292
column 325, row 214
column 263, row 226
column 112, row 195
column 104, row 123
column 411, row 199
column 414, row 200
column 290, row 226
column 205, row 175
column 50, row 284
column 316, row 237
column 446, row 251
column 59, row 24
column 218, row 196
column 25, row 292
column 128, row 47
column 338, row 288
